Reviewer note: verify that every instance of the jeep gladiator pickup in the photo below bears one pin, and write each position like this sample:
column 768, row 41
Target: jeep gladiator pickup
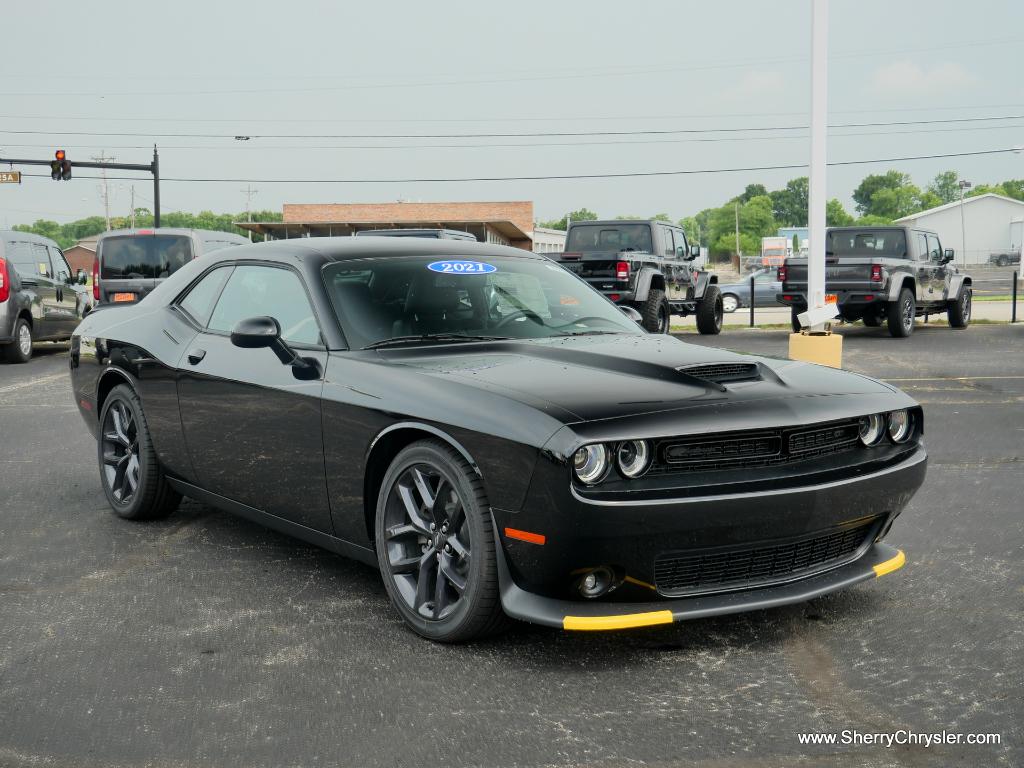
column 883, row 274
column 646, row 265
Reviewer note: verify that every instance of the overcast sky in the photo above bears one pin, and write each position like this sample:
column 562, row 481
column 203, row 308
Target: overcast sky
column 372, row 69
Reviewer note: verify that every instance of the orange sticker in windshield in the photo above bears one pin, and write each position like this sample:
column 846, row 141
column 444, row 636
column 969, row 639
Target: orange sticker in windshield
column 568, row 301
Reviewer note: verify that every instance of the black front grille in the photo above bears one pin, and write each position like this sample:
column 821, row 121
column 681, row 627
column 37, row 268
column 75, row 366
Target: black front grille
column 757, row 448
column 681, row 573
column 722, row 372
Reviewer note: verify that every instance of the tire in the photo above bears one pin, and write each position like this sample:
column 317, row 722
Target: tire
column 413, row 556
column 901, row 313
column 958, row 312
column 125, row 451
column 656, row 313
column 793, row 312
column 1002, row 261
column 709, row 312
column 872, row 319
column 20, row 350
column 730, row 303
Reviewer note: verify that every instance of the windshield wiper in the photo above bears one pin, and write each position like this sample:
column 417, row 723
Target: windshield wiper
column 589, row 333
column 444, row 337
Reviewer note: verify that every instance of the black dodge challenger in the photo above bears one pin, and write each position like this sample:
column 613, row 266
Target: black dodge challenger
column 493, row 434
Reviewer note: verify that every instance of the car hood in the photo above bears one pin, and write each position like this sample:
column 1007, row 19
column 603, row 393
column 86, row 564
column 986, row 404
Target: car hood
column 603, row 377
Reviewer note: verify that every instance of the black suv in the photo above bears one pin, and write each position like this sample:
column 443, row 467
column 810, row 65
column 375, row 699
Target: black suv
column 647, row 265
column 883, row 275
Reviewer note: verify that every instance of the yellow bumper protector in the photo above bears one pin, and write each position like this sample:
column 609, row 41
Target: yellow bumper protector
column 890, row 565
column 625, row 621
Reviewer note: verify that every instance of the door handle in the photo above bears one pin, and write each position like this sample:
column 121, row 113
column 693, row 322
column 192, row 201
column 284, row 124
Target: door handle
column 195, row 356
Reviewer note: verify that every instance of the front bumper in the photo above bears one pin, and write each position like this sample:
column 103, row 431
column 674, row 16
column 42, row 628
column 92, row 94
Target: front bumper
column 539, row 576
column 879, row 560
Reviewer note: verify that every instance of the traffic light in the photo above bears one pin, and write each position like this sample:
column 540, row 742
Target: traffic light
column 60, row 168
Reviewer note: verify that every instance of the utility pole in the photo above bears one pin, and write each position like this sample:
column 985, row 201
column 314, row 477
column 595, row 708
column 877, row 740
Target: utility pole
column 963, row 228
column 131, row 213
column 249, row 192
column 104, row 190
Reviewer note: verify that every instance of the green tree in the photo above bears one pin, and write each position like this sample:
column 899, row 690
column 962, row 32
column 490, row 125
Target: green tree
column 789, row 205
column 751, row 191
column 945, row 187
column 582, row 214
column 895, row 202
column 864, row 194
column 1014, row 188
column 836, row 215
column 984, row 189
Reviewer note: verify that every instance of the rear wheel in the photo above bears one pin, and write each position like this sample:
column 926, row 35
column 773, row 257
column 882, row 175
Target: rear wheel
column 730, row 302
column 132, row 478
column 793, row 312
column 709, row 311
column 901, row 314
column 435, row 545
column 656, row 312
column 959, row 311
column 20, row 348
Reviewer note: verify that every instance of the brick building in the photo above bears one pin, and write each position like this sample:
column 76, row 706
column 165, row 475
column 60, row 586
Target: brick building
column 82, row 254
column 505, row 223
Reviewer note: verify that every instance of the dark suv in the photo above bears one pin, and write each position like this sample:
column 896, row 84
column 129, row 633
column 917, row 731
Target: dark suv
column 646, row 265
column 885, row 275
column 40, row 298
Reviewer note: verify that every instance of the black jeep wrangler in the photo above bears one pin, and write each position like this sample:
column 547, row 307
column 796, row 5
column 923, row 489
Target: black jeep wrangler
column 647, row 265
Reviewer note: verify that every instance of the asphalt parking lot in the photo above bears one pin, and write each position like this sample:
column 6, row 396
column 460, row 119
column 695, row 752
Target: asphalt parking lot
column 206, row 640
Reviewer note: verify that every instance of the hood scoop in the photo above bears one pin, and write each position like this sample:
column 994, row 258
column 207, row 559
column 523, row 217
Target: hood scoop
column 723, row 373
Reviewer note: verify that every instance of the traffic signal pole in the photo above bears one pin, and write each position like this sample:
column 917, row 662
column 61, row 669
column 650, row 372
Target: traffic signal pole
column 153, row 168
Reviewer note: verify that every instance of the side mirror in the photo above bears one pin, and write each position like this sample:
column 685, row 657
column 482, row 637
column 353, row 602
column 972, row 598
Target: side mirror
column 82, row 277
column 259, row 332
column 632, row 314
column 694, row 252
column 947, row 256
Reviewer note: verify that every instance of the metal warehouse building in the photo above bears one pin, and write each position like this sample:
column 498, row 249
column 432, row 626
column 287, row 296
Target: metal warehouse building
column 976, row 229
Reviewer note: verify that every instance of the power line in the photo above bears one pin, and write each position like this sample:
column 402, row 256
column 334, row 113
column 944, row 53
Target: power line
column 630, row 174
column 522, row 135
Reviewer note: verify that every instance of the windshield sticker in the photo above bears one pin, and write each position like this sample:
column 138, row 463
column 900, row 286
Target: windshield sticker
column 462, row 267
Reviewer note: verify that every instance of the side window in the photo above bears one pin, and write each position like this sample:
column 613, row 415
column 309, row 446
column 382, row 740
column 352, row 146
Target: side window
column 922, row 246
column 42, row 260
column 252, row 291
column 682, row 247
column 61, row 270
column 934, row 248
column 23, row 256
column 198, row 302
column 669, row 244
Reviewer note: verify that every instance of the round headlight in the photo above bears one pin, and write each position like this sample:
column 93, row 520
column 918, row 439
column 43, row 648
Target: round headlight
column 871, row 429
column 901, row 426
column 633, row 457
column 590, row 463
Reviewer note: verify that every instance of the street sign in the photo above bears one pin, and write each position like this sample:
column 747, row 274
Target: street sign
column 10, row 177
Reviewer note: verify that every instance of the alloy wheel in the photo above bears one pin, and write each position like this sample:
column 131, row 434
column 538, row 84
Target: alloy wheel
column 908, row 313
column 121, row 452
column 25, row 340
column 730, row 303
column 965, row 306
column 428, row 542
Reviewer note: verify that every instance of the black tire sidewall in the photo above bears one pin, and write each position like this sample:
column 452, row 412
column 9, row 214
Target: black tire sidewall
column 895, row 315
column 710, row 314
column 651, row 309
column 454, row 627
column 13, row 352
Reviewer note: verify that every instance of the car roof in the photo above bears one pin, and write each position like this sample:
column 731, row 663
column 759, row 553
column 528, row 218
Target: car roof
column 344, row 248
column 205, row 234
column 606, row 222
column 25, row 237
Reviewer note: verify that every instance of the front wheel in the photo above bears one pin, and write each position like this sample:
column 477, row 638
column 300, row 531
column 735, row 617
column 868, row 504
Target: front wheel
column 435, row 545
column 730, row 302
column 901, row 315
column 709, row 311
column 959, row 311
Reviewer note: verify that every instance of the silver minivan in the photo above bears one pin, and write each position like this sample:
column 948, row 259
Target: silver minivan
column 132, row 262
column 40, row 298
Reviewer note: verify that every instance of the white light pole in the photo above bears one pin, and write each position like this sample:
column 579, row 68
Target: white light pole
column 818, row 313
column 963, row 229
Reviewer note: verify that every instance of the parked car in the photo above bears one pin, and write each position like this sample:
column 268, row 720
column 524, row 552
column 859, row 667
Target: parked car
column 646, row 265
column 766, row 291
column 1004, row 258
column 885, row 275
column 40, row 299
column 493, row 435
column 436, row 234
column 132, row 262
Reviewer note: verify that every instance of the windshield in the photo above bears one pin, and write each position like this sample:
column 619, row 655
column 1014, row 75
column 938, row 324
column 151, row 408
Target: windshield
column 609, row 237
column 144, row 256
column 412, row 297
column 867, row 242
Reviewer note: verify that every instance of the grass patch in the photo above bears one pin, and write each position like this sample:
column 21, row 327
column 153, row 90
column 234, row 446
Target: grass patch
column 1006, row 297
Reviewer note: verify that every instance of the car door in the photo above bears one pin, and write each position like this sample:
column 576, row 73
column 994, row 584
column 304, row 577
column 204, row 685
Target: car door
column 670, row 265
column 68, row 309
column 766, row 288
column 937, row 271
column 37, row 277
column 253, row 429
